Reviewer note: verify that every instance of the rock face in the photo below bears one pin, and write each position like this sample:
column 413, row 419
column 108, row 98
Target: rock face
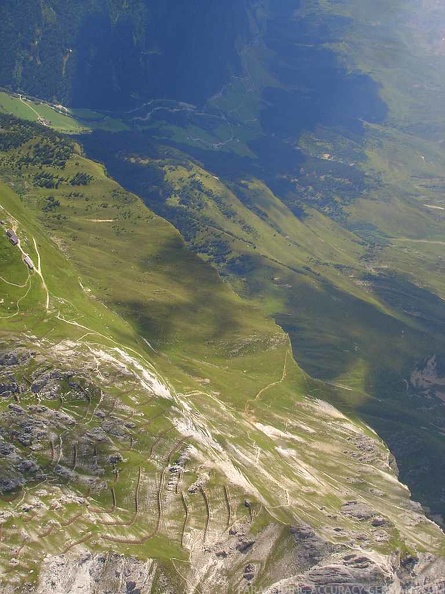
column 428, row 378
column 353, row 571
column 94, row 574
column 311, row 548
column 367, row 573
column 72, row 434
column 30, row 430
column 360, row 511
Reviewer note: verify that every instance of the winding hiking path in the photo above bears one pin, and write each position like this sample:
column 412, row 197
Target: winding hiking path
column 271, row 385
column 37, row 267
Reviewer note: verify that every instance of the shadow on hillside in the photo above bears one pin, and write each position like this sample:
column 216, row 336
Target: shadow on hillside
column 169, row 50
column 332, row 333
column 190, row 305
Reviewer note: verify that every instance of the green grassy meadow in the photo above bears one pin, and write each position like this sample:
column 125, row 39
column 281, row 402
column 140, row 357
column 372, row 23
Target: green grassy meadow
column 63, row 120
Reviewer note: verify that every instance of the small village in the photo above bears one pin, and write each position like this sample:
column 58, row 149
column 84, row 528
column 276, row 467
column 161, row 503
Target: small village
column 14, row 240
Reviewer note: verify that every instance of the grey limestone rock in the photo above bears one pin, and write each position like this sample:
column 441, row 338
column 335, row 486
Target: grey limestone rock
column 360, row 511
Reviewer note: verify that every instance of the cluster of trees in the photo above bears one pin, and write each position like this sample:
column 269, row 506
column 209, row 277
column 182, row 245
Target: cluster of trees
column 54, row 151
column 99, row 53
column 193, row 195
column 39, row 145
column 328, row 186
column 51, row 204
column 14, row 132
column 81, row 179
column 45, row 179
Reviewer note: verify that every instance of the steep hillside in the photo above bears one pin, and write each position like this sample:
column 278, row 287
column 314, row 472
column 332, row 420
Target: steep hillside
column 140, row 431
column 110, row 54
column 208, row 402
column 327, row 207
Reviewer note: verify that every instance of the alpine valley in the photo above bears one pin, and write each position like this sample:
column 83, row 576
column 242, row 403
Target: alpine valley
column 222, row 296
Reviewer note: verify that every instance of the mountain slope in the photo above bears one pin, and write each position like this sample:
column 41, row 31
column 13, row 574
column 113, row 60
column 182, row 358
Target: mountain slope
column 297, row 147
column 328, row 216
column 109, row 54
column 327, row 211
column 169, row 449
column 352, row 303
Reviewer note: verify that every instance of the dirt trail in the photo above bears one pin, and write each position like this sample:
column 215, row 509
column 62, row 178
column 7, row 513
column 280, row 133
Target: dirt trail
column 271, row 385
column 407, row 239
column 101, row 220
column 40, row 119
column 38, row 270
column 37, row 267
column 18, row 302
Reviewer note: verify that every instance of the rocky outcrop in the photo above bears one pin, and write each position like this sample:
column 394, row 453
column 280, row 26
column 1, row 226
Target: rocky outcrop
column 347, row 571
column 38, row 442
column 368, row 573
column 18, row 356
column 96, row 574
column 116, row 475
column 428, row 378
